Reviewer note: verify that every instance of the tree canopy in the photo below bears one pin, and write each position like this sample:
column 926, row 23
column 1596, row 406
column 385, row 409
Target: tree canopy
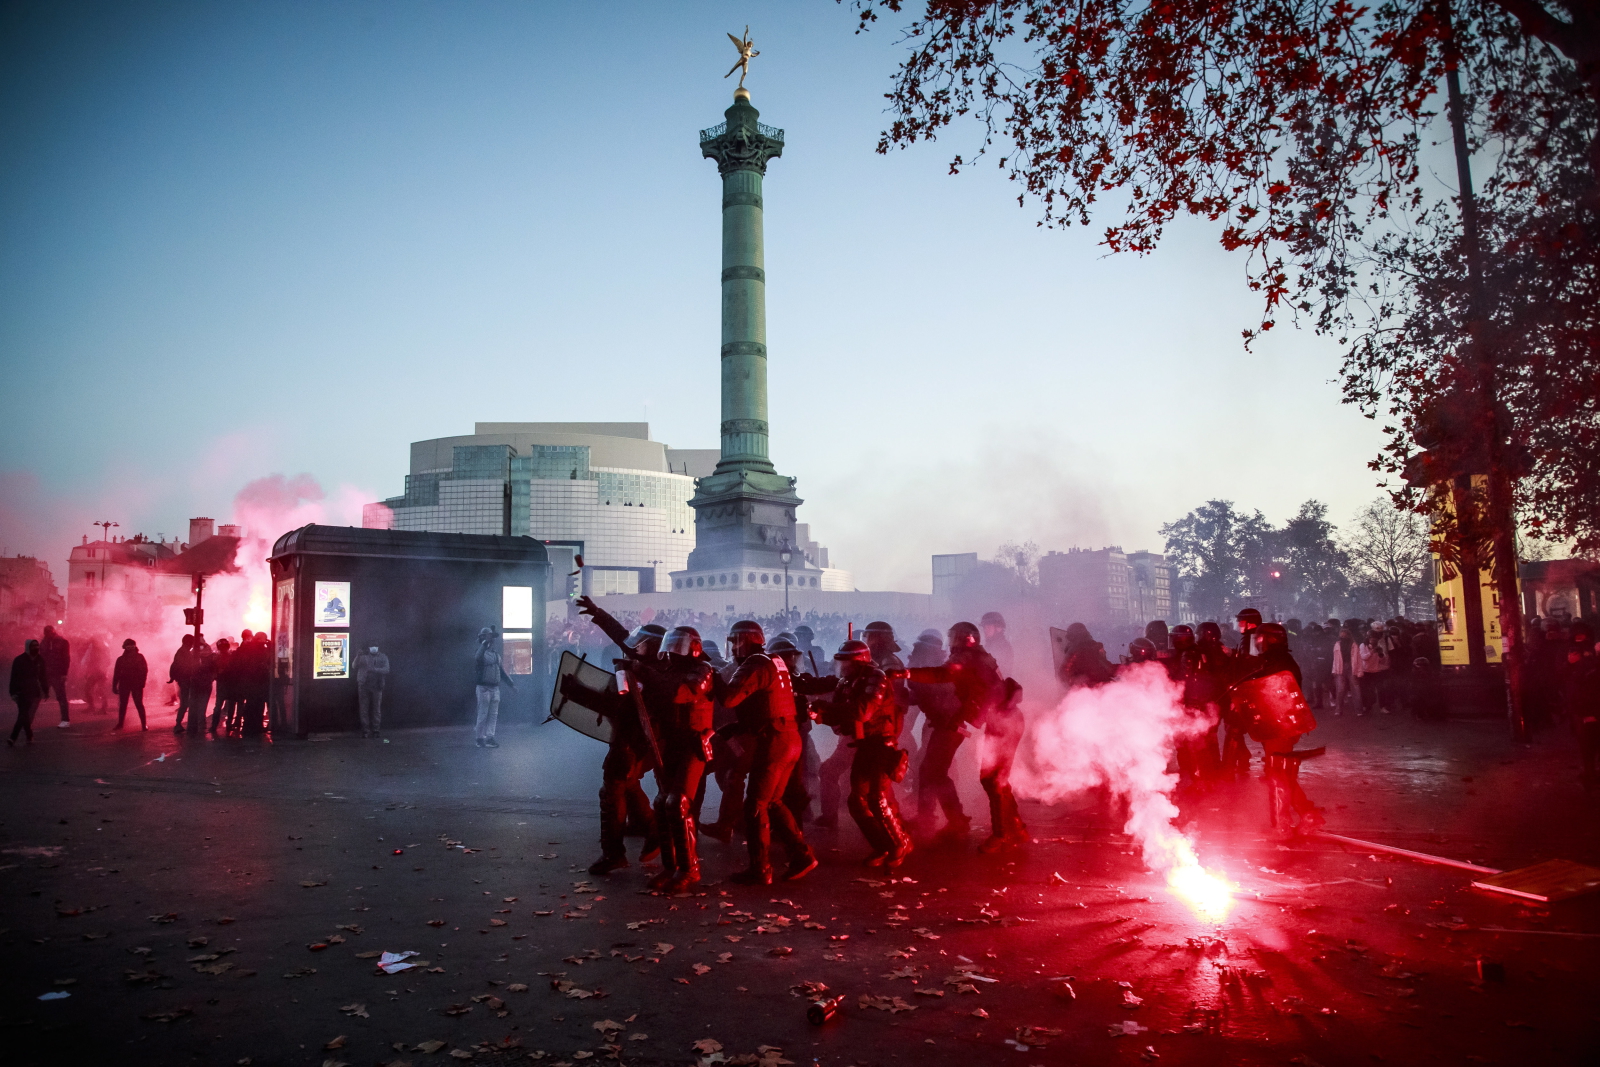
column 1306, row 130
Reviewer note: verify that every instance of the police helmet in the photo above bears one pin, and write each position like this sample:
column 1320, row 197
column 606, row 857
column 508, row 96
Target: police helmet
column 964, row 635
column 681, row 641
column 1209, row 631
column 1141, row 650
column 130, row 643
column 782, row 646
column 993, row 618
column 643, row 635
column 883, row 631
column 746, row 632
column 1273, row 634
column 1249, row 616
column 1182, row 636
column 804, row 631
column 854, row 652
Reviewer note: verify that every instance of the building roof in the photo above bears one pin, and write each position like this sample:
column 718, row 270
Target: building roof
column 360, row 541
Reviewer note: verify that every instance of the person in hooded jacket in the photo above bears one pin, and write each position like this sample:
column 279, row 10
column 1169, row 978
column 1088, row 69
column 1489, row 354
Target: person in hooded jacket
column 181, row 674
column 1204, row 675
column 57, row 653
column 1084, row 661
column 128, row 676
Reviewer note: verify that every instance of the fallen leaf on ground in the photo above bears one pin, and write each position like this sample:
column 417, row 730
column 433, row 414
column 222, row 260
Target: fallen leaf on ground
column 662, row 948
column 1126, row 1027
column 169, row 1016
column 497, row 922
column 516, row 987
column 708, row 1045
column 358, row 1010
column 1036, row 1035
column 701, row 968
column 169, row 917
column 435, row 922
column 781, row 950
column 429, row 1046
column 312, row 885
column 338, row 1042
column 461, row 1054
column 890, row 1004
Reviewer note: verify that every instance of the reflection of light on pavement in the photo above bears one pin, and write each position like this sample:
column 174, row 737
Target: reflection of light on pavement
column 1206, row 893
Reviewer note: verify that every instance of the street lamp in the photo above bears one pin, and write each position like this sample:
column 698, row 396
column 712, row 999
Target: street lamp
column 106, row 537
column 786, row 556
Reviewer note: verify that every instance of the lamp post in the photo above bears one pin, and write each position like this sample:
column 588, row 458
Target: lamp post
column 106, row 537
column 786, row 556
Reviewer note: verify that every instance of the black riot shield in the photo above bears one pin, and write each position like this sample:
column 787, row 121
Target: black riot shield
column 590, row 676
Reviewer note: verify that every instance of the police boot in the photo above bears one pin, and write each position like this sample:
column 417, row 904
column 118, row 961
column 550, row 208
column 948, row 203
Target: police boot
column 668, row 849
column 684, row 846
column 997, row 821
column 894, row 830
column 613, row 851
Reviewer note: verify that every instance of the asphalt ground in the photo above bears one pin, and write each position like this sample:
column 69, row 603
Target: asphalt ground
column 178, row 891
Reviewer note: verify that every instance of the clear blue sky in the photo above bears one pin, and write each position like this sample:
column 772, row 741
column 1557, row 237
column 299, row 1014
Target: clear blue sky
column 246, row 238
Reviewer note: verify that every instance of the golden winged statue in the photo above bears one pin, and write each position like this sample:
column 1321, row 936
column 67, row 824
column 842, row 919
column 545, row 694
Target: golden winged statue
column 747, row 52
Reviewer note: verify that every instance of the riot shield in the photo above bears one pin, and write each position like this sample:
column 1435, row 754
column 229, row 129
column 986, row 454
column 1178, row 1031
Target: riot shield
column 1272, row 706
column 590, row 676
column 1058, row 649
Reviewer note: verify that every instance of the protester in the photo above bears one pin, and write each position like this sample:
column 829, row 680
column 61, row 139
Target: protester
column 489, row 673
column 372, row 673
column 30, row 683
column 1371, row 670
column 57, row 653
column 95, row 661
column 227, row 702
column 181, row 674
column 127, row 682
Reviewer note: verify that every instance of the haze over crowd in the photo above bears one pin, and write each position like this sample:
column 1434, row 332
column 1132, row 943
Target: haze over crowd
column 317, row 235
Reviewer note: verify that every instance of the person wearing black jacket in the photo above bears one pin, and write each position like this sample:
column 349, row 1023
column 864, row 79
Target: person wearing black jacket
column 57, row 654
column 629, row 756
column 30, row 681
column 761, row 694
column 1286, row 798
column 978, row 688
column 866, row 713
column 127, row 682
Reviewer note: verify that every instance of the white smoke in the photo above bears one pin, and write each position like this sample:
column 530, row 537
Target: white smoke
column 1120, row 736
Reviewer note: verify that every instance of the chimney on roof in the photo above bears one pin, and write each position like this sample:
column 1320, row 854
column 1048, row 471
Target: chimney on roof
column 200, row 530
column 228, row 530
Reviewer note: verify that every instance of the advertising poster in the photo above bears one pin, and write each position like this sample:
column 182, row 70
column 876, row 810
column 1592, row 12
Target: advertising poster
column 283, row 622
column 331, row 606
column 332, row 656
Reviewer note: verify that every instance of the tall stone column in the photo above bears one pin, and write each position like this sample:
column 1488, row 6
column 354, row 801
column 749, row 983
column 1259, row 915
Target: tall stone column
column 742, row 147
column 745, row 511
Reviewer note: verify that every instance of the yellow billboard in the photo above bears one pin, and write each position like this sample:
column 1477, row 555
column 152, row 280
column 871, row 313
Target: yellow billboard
column 1447, row 598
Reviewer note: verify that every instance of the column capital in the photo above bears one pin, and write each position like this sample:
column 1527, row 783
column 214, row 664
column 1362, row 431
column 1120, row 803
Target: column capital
column 740, row 142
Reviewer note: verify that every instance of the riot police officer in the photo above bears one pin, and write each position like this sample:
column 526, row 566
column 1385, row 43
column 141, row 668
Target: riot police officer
column 866, row 714
column 1278, row 717
column 678, row 688
column 762, row 695
column 880, row 641
column 632, row 751
column 1235, row 752
column 978, row 688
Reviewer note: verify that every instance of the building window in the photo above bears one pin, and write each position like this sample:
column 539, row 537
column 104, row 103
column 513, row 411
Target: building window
column 516, row 622
column 752, row 578
column 722, row 579
column 763, row 579
column 699, row 581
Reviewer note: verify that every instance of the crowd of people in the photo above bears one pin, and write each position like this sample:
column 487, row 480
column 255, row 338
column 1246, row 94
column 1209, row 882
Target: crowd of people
column 238, row 675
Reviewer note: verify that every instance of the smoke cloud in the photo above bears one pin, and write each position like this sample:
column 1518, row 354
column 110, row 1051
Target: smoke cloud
column 1120, row 736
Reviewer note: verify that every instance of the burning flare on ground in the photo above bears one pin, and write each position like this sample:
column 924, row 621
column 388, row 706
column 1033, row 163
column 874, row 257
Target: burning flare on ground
column 1120, row 737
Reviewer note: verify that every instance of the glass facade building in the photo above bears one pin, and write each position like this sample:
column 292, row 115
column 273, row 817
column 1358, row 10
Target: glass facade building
column 606, row 489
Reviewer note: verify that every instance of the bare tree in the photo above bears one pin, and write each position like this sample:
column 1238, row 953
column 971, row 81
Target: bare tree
column 1388, row 550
